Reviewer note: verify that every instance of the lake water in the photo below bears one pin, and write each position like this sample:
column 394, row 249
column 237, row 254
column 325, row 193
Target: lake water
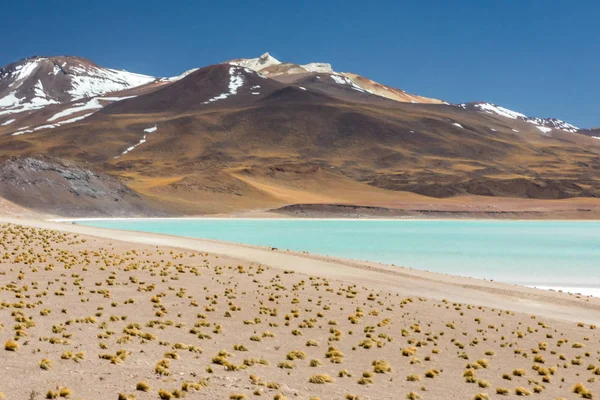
column 551, row 254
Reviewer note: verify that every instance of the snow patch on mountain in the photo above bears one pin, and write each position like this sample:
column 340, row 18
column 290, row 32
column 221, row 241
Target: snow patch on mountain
column 180, row 77
column 10, row 121
column 544, row 129
column 50, row 126
column 547, row 123
column 14, row 104
column 75, row 119
column 236, row 80
column 142, row 141
column 318, row 67
column 90, row 82
column 90, row 105
column 24, row 70
column 344, row 80
column 10, row 100
column 22, row 132
column 264, row 61
column 494, row 109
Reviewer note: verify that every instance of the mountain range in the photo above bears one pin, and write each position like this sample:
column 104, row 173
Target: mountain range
column 259, row 134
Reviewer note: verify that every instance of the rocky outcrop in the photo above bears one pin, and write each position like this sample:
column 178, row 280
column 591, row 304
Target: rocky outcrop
column 57, row 187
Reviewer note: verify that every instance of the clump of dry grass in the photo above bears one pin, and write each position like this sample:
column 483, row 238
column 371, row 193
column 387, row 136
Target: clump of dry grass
column 11, row 345
column 409, row 351
column 381, row 366
column 321, row 379
column 45, row 364
column 365, row 381
column 432, row 373
column 164, row 394
column 521, row 391
column 296, row 355
column 343, row 373
column 582, row 391
column 142, row 386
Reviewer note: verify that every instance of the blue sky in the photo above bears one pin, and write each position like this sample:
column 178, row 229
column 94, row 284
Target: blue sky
column 541, row 58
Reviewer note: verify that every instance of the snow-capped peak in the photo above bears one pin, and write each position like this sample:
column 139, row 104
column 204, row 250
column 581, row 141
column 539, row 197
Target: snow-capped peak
column 323, row 68
column 257, row 64
column 543, row 124
column 266, row 60
column 494, row 109
column 179, row 77
column 36, row 82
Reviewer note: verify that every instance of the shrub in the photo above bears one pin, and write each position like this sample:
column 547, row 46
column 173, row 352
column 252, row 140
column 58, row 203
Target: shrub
column 582, row 391
column 432, row 373
column 381, row 366
column 315, row 363
column 521, row 391
column 321, row 379
column 164, row 395
column 45, row 364
column 11, row 345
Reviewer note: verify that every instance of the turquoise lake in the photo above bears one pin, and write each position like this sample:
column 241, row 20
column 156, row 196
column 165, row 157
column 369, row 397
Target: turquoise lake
column 541, row 253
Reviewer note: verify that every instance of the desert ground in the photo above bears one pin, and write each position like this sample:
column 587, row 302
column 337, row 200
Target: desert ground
column 88, row 313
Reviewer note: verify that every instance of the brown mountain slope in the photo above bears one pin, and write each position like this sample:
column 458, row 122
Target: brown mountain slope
column 224, row 139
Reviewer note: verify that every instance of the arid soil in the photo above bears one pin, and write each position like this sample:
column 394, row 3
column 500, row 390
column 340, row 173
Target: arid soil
column 92, row 317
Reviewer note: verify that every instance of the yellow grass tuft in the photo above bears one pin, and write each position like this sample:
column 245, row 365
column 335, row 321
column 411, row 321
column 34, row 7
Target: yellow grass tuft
column 321, row 379
column 11, row 345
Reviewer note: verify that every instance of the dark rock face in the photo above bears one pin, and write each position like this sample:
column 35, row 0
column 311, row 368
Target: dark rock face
column 53, row 186
column 521, row 188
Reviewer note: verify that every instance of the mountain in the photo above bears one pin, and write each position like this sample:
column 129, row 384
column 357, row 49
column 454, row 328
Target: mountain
column 545, row 125
column 46, row 92
column 269, row 66
column 39, row 81
column 257, row 134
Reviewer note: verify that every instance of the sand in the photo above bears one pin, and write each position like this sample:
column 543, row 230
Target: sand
column 240, row 320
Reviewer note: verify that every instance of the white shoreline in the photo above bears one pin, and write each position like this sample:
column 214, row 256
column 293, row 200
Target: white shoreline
column 576, row 290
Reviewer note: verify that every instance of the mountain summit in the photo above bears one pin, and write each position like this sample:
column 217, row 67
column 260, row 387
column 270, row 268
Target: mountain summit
column 288, row 72
column 36, row 82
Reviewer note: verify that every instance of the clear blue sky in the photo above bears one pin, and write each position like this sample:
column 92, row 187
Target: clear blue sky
column 538, row 57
